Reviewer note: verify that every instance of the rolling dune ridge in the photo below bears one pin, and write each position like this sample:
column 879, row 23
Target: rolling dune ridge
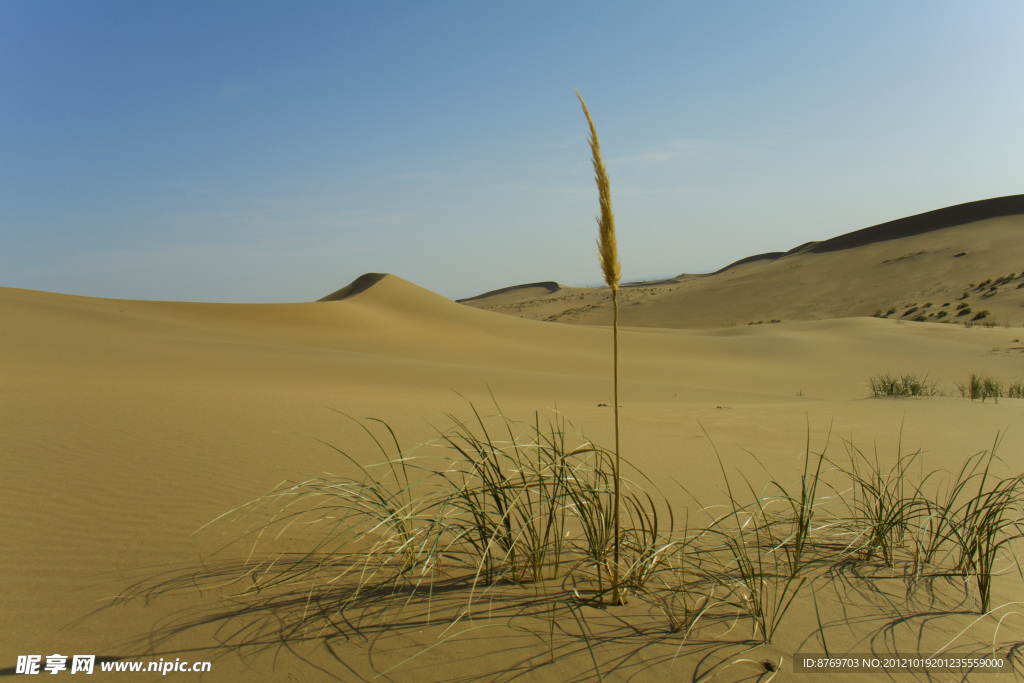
column 932, row 258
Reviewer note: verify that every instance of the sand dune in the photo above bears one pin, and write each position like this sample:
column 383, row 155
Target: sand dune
column 128, row 425
column 927, row 261
column 517, row 292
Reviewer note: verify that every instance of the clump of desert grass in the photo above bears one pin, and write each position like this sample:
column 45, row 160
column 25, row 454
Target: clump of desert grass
column 901, row 386
column 978, row 387
column 1015, row 390
column 491, row 501
column 502, row 523
column 494, row 502
column 981, row 387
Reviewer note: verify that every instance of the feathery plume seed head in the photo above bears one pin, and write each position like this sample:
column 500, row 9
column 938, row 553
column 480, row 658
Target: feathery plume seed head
column 607, row 249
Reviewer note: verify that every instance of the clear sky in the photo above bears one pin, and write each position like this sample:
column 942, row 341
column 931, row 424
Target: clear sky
column 274, row 151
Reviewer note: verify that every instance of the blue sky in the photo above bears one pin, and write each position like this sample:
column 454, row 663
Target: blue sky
column 270, row 151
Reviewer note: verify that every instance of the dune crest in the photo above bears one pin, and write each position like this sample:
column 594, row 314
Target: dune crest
column 521, row 291
column 386, row 294
column 357, row 286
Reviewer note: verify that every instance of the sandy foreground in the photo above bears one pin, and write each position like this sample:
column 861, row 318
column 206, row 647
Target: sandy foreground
column 128, row 425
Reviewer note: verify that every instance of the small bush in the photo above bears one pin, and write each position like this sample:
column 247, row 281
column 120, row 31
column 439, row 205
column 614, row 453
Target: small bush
column 964, row 311
column 980, row 315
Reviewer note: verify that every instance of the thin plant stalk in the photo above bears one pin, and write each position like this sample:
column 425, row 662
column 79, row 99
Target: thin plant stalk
column 608, row 253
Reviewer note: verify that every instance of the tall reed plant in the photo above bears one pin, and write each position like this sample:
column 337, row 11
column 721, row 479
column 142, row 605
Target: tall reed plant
column 608, row 253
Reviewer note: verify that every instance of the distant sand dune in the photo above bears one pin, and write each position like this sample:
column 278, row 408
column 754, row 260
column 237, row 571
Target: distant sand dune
column 931, row 258
column 531, row 289
column 960, row 214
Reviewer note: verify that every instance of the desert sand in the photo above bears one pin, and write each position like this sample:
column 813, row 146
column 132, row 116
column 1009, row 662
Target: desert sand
column 129, row 425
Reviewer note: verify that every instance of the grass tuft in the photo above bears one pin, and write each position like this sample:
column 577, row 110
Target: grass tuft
column 498, row 519
column 901, row 386
column 981, row 386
